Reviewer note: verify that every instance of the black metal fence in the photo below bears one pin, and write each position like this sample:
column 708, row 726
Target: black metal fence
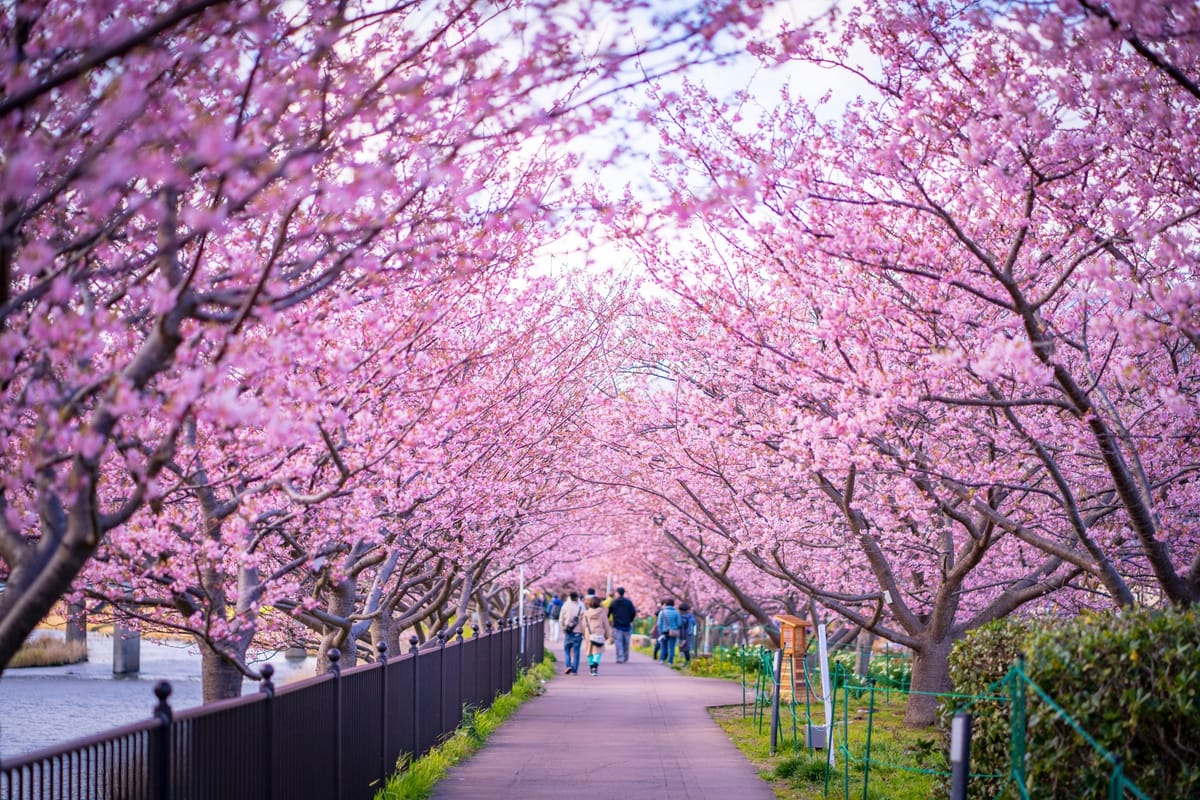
column 333, row 737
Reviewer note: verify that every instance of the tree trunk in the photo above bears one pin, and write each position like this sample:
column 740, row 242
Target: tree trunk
column 219, row 678
column 930, row 675
column 865, row 643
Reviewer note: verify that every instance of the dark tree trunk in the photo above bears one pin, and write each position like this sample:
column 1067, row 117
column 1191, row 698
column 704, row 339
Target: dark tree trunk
column 219, row 678
column 865, row 643
column 930, row 675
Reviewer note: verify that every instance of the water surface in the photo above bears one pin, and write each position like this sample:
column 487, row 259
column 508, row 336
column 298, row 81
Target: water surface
column 43, row 706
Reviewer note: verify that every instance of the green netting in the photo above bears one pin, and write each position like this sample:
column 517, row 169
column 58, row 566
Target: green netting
column 1015, row 689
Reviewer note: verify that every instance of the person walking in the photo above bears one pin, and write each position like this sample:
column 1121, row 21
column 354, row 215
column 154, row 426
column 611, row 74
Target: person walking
column 554, row 611
column 597, row 631
column 622, row 613
column 669, row 623
column 687, row 631
column 571, row 617
column 656, row 635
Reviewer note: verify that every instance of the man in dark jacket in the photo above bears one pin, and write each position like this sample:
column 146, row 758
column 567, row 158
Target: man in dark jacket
column 622, row 613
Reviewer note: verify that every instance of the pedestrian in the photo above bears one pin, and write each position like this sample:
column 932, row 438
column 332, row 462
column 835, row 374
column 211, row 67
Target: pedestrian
column 597, row 631
column 656, row 636
column 554, row 612
column 622, row 613
column 668, row 629
column 571, row 616
column 687, row 631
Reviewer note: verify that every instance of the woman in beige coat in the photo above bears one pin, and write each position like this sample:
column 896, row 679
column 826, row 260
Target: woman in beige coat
column 596, row 631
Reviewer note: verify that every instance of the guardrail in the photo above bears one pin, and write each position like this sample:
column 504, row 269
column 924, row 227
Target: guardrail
column 337, row 736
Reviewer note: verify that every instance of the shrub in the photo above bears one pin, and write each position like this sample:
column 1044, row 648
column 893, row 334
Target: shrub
column 1132, row 680
column 801, row 769
column 977, row 662
column 49, row 651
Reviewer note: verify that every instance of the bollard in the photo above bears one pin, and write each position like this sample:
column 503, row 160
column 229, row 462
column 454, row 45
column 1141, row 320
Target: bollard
column 960, row 755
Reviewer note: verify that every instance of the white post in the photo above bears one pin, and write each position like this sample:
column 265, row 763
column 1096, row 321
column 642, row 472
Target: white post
column 521, row 612
column 823, row 656
column 707, row 635
column 608, row 590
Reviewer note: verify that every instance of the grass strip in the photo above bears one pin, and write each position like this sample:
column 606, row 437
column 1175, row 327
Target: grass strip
column 901, row 757
column 414, row 780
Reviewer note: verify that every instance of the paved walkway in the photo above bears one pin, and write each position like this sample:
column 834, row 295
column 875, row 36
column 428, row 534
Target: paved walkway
column 639, row 730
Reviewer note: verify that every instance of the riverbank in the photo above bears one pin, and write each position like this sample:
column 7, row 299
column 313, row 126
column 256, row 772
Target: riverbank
column 44, row 706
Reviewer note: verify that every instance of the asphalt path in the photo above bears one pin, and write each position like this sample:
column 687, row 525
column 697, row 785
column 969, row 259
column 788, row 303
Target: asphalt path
column 637, row 730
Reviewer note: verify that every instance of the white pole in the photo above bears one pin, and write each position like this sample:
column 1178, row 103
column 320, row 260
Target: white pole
column 707, row 635
column 823, row 656
column 608, row 590
column 521, row 613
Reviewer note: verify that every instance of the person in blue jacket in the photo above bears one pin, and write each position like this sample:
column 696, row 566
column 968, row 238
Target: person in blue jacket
column 687, row 632
column 670, row 624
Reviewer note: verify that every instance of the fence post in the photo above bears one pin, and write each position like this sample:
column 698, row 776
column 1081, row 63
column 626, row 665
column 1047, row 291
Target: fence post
column 1017, row 740
column 960, row 755
column 775, row 680
column 870, row 725
column 462, row 668
column 160, row 782
column 335, row 657
column 1116, row 786
column 441, row 682
column 267, row 688
column 488, row 665
column 381, row 657
column 416, row 694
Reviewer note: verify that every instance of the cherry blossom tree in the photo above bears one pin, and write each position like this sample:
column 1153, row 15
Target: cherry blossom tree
column 949, row 359
column 186, row 187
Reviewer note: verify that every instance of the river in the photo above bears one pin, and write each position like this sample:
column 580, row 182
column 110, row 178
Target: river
column 43, row 706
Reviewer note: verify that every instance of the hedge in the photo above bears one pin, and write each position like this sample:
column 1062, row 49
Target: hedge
column 1132, row 680
column 977, row 662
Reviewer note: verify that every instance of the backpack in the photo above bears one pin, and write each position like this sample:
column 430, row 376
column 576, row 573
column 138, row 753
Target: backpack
column 555, row 609
column 573, row 624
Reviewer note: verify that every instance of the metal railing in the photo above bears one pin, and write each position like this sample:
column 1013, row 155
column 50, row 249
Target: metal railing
column 336, row 736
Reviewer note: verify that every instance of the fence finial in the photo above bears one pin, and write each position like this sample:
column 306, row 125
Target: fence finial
column 381, row 649
column 335, row 657
column 162, row 711
column 266, row 687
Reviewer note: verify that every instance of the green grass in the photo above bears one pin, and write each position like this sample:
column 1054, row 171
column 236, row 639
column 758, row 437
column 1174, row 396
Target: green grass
column 414, row 780
column 900, row 757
